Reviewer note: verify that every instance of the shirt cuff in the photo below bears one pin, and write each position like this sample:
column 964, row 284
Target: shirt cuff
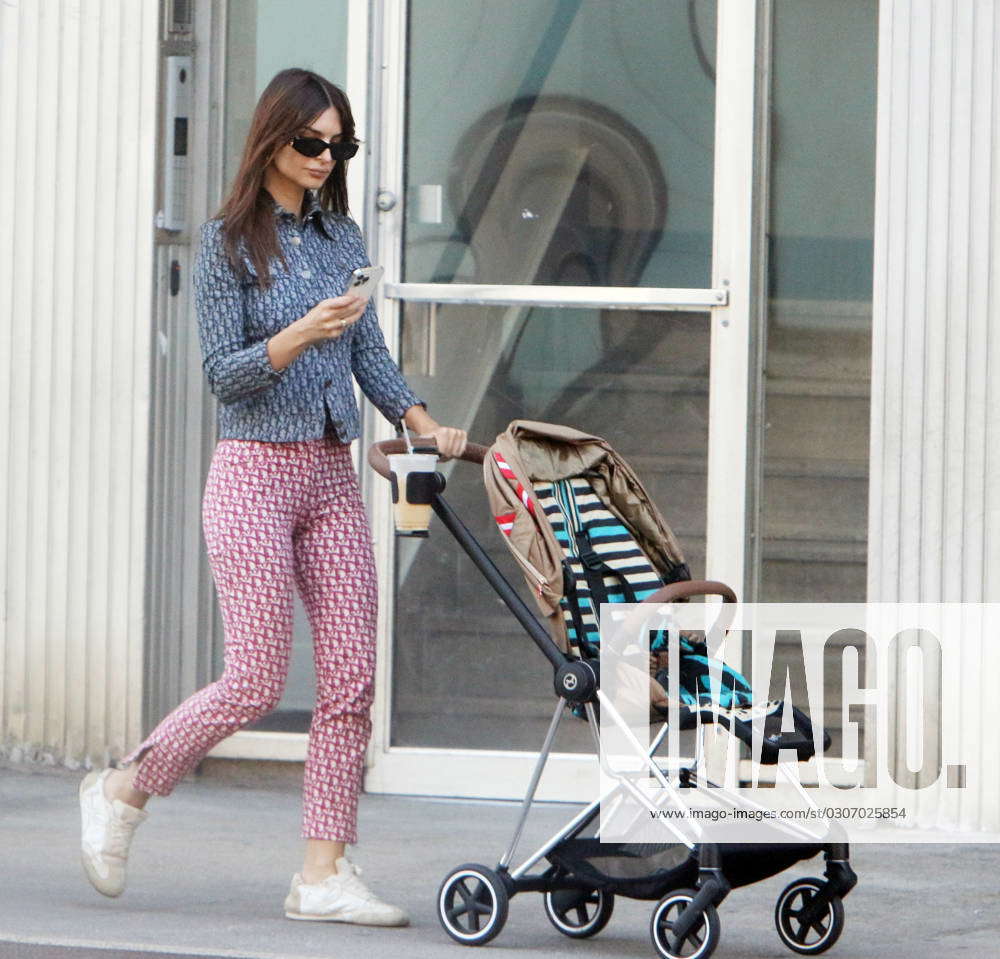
column 264, row 362
column 405, row 404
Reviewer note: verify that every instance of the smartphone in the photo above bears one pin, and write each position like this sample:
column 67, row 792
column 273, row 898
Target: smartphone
column 364, row 280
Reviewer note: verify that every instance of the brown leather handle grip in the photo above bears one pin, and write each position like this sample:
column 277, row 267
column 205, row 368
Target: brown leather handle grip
column 377, row 452
column 699, row 587
column 691, row 587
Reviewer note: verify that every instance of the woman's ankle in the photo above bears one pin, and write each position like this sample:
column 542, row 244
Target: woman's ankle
column 320, row 860
column 118, row 785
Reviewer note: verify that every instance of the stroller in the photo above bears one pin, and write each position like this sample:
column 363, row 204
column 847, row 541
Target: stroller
column 584, row 531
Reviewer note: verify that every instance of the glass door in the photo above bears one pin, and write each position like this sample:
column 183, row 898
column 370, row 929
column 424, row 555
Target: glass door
column 564, row 217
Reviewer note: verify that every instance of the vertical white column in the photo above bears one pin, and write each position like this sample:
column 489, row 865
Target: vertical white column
column 387, row 30
column 729, row 388
column 934, row 503
column 77, row 111
column 358, row 64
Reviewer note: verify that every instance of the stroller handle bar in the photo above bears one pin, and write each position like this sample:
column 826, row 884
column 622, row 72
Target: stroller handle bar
column 682, row 591
column 691, row 587
column 377, row 453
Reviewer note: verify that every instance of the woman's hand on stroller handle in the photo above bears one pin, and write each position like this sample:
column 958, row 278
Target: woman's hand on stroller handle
column 450, row 441
column 377, row 452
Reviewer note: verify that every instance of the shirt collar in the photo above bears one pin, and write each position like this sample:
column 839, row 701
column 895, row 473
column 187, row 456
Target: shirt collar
column 311, row 211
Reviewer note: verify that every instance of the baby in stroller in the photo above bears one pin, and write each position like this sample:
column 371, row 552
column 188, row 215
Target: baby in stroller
column 584, row 531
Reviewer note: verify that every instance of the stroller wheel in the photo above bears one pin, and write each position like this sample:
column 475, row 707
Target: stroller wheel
column 807, row 938
column 472, row 904
column 701, row 940
column 579, row 913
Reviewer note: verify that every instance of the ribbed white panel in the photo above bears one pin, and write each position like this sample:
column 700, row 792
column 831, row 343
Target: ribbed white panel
column 935, row 466
column 78, row 128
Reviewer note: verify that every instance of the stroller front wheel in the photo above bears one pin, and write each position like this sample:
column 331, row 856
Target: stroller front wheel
column 701, row 939
column 579, row 913
column 472, row 904
column 804, row 934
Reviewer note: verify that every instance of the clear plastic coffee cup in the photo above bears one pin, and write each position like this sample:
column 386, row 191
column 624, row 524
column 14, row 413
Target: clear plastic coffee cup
column 414, row 483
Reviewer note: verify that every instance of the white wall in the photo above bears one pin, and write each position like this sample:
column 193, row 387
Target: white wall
column 935, row 456
column 77, row 124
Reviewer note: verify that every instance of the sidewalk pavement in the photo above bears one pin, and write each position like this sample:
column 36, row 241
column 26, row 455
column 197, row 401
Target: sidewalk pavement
column 211, row 867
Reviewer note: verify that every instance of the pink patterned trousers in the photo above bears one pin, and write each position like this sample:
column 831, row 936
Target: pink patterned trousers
column 275, row 514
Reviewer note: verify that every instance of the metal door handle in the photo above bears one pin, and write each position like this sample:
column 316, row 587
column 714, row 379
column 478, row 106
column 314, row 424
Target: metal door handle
column 385, row 200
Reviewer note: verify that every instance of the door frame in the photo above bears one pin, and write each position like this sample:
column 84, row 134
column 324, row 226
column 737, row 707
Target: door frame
column 742, row 82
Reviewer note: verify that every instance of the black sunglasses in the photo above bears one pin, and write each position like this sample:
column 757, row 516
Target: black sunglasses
column 314, row 146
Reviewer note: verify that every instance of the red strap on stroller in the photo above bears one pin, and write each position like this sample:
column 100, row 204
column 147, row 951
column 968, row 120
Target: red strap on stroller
column 522, row 493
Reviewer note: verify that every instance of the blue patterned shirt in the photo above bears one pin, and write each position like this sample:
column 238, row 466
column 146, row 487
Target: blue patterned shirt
column 314, row 394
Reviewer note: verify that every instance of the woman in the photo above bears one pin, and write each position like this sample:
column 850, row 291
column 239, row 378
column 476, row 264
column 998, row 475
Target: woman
column 280, row 342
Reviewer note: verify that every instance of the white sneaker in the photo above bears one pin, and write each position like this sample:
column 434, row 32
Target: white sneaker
column 107, row 829
column 342, row 897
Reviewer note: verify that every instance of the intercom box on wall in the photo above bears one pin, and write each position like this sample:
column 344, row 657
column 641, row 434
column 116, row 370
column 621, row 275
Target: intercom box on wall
column 177, row 82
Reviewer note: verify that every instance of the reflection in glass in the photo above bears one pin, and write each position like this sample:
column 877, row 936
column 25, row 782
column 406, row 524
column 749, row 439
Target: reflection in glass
column 465, row 674
column 814, row 494
column 816, row 374
column 571, row 143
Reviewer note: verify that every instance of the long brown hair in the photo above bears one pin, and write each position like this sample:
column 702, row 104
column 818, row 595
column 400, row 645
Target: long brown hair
column 289, row 102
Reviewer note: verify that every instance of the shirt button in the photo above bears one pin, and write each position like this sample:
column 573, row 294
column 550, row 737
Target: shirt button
column 296, row 240
column 306, row 274
column 327, row 384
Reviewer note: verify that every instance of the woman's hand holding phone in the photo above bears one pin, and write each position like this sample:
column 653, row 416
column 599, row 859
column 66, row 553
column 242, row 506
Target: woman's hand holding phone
column 327, row 320
column 331, row 318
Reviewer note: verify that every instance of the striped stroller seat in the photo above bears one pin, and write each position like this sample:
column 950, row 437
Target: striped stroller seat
column 603, row 563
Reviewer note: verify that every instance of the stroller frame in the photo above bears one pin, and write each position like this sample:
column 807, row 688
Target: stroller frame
column 684, row 924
